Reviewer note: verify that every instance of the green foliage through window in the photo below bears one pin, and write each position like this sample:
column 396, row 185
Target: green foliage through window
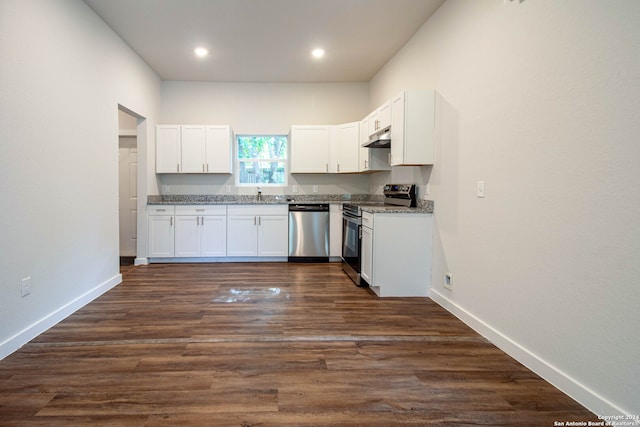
column 262, row 159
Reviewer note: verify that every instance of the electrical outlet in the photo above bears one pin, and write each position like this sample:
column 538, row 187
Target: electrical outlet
column 315, row 188
column 448, row 281
column 295, row 189
column 228, row 189
column 25, row 286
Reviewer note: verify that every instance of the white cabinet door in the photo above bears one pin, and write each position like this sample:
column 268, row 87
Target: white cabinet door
column 310, row 149
column 161, row 236
column 187, row 234
column 397, row 143
column 200, row 231
column 273, row 233
column 193, row 149
column 380, row 118
column 366, row 255
column 219, row 140
column 213, row 236
column 168, row 149
column 413, row 128
column 242, row 235
column 348, row 147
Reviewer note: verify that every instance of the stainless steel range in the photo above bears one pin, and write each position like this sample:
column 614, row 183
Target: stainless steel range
column 394, row 194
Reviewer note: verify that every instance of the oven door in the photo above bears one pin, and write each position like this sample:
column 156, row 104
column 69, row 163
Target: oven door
column 351, row 247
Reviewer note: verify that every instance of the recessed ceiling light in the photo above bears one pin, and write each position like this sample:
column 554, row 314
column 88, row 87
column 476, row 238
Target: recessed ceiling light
column 317, row 53
column 200, row 51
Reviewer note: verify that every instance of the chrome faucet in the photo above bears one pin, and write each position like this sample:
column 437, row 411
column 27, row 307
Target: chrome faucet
column 259, row 194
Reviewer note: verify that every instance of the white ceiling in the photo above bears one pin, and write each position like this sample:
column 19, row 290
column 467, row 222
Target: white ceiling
column 265, row 40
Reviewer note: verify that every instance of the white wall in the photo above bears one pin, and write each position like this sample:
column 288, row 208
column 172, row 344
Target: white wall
column 269, row 108
column 540, row 99
column 63, row 74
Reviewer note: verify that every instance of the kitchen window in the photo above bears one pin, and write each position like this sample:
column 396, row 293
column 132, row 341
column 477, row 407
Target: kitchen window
column 262, row 159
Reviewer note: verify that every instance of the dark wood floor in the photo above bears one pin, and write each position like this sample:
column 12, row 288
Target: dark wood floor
column 271, row 344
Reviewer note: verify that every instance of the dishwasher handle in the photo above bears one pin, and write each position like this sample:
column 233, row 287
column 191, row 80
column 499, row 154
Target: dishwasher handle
column 308, row 207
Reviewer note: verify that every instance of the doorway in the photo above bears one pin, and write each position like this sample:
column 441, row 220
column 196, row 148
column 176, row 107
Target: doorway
column 127, row 186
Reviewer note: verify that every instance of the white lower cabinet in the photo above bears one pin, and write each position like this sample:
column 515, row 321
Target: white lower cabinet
column 273, row 233
column 257, row 231
column 396, row 253
column 366, row 254
column 335, row 230
column 161, row 231
column 200, row 231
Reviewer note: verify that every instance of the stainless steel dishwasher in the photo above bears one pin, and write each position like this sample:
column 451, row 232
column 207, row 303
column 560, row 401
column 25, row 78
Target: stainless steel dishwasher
column 308, row 232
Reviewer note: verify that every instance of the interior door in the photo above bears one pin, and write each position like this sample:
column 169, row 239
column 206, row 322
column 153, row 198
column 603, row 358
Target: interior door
column 128, row 203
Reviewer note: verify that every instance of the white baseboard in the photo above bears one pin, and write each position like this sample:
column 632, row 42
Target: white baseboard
column 21, row 338
column 568, row 385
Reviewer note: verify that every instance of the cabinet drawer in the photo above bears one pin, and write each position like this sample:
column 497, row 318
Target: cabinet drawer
column 257, row 209
column 161, row 210
column 367, row 219
column 201, row 210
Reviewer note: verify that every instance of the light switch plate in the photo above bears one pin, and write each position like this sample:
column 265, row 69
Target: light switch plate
column 480, row 189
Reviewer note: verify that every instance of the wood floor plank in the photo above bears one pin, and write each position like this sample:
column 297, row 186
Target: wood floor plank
column 267, row 344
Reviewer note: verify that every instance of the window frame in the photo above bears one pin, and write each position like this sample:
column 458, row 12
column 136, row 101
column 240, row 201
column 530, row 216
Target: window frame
column 284, row 160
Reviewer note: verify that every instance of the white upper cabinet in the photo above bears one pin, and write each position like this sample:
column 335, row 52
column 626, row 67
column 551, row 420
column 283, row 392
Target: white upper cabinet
column 371, row 159
column 218, row 152
column 348, row 147
column 412, row 128
column 168, row 149
column 380, row 118
column 325, row 148
column 193, row 149
column 310, row 147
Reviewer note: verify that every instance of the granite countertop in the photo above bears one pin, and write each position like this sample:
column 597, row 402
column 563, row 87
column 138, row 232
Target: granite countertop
column 425, row 208
column 281, row 199
column 368, row 203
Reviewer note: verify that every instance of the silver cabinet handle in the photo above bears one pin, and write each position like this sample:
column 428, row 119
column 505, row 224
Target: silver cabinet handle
column 255, row 220
column 171, row 221
column 207, row 167
column 178, row 167
column 203, row 167
column 366, row 166
column 259, row 220
column 338, row 167
column 327, row 166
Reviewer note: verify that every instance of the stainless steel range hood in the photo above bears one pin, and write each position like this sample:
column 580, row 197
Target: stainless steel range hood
column 381, row 139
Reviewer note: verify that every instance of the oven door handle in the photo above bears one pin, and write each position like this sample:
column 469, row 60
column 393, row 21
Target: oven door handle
column 353, row 219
